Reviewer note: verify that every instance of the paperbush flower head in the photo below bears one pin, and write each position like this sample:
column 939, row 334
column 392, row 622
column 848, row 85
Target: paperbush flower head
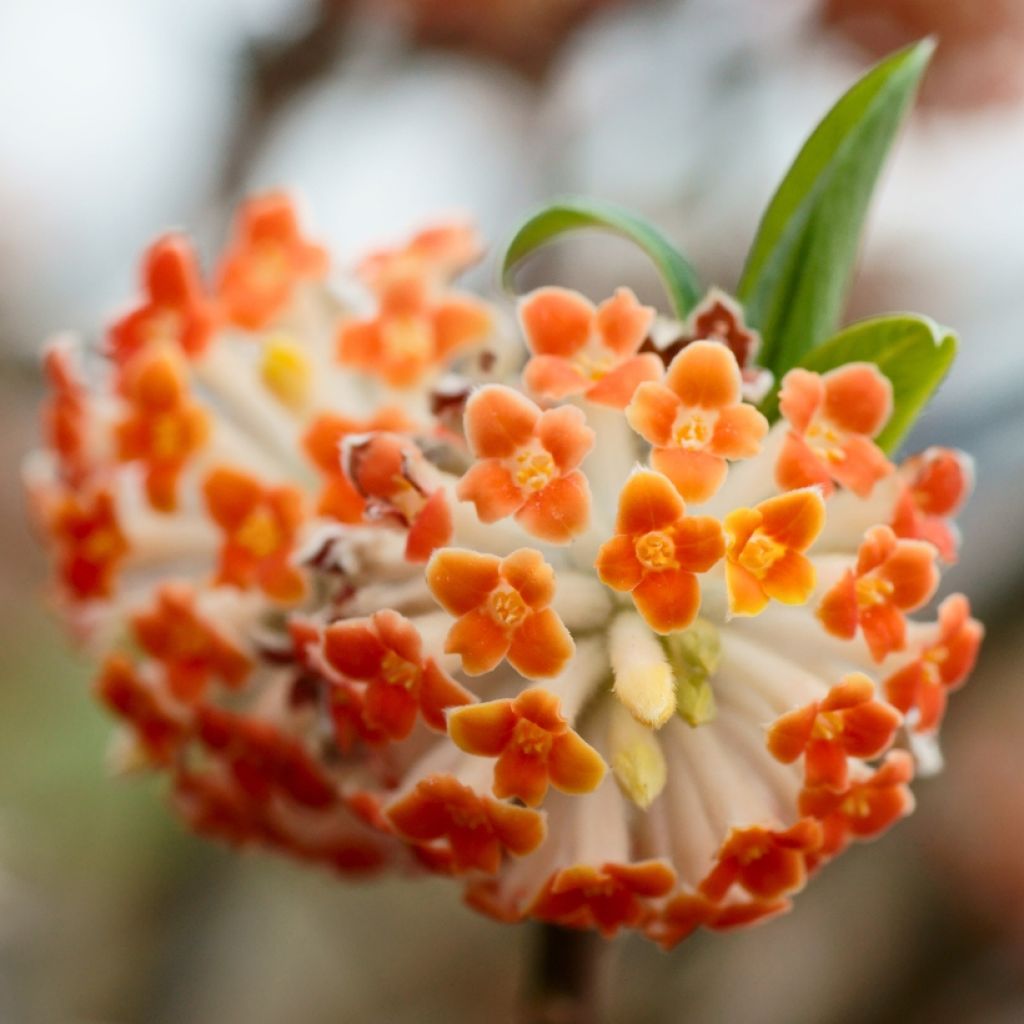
column 552, row 609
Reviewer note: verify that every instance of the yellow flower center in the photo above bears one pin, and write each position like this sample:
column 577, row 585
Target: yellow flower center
column 530, row 739
column 693, row 428
column 656, row 551
column 163, row 325
column 408, row 338
column 268, row 267
column 760, row 553
column 399, row 672
column 594, row 365
column 931, row 660
column 534, row 469
column 259, row 533
column 507, row 607
column 467, row 817
column 753, row 851
column 825, row 441
column 857, row 804
column 828, row 725
column 99, row 545
column 872, row 591
column 168, row 436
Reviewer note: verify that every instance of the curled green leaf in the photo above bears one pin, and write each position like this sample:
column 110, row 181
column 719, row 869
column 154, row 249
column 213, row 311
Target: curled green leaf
column 573, row 214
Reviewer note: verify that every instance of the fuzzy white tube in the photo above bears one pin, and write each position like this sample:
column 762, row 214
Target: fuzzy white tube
column 644, row 681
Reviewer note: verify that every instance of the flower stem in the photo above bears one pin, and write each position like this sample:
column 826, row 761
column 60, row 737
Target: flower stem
column 564, row 983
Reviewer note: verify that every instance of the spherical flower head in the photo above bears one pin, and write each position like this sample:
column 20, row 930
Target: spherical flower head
column 595, row 640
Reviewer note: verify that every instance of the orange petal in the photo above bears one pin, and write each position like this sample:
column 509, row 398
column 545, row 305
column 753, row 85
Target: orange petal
column 230, row 496
column 556, row 321
column 699, row 542
column 526, row 571
column 490, row 487
column 560, row 511
column 858, row 398
column 795, row 519
column 746, row 595
column 564, row 434
column 483, row 729
column 838, row 608
column 652, row 412
column 790, row 580
column 617, row 564
column 499, row 421
column 431, row 529
column 884, row 629
column 282, row 581
column 521, row 775
column 438, row 691
column 520, row 830
column 354, row 649
column 542, row 646
column 696, row 475
column 617, row 387
column 739, row 431
column 623, row 323
column 479, row 640
column 863, row 465
column 553, row 377
column 459, row 321
column 461, row 579
column 801, row 395
column 668, row 601
column 789, row 735
column 705, row 374
column 912, row 572
column 798, row 466
column 648, row 501
column 359, row 343
column 574, row 765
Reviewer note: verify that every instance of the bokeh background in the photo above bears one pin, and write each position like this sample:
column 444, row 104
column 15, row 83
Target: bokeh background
column 119, row 119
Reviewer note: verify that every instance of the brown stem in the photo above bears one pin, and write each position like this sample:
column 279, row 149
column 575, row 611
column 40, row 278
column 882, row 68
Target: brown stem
column 565, row 980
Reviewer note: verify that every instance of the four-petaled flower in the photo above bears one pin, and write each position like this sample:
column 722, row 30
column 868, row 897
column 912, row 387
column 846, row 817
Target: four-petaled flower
column 90, row 542
column 767, row 863
column 164, row 427
column 849, row 722
column 391, row 475
column 267, row 259
column 385, row 651
column 192, row 650
column 533, row 743
column 339, row 499
column 582, row 350
column 177, row 309
column 832, row 419
column 259, row 524
column 764, row 551
column 866, row 808
column 944, row 662
column 658, row 550
column 938, row 482
column 607, row 898
column 528, row 463
column 696, row 420
column 477, row 829
column 891, row 577
column 503, row 610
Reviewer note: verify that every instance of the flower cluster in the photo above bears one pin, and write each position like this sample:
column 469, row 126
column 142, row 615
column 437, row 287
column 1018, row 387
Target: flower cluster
column 575, row 626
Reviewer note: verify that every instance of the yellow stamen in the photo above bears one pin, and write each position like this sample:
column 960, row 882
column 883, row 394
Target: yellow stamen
column 507, row 607
column 656, row 551
column 286, row 372
column 399, row 672
column 535, row 470
column 692, row 429
column 828, row 725
column 873, row 590
column 259, row 533
column 760, row 553
column 530, row 739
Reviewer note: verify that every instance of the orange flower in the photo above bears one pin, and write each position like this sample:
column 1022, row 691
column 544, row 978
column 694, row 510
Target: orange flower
column 476, row 829
column 322, row 441
column 385, row 652
column 849, row 722
column 266, row 261
column 696, row 420
column 765, row 548
column 867, row 808
column 440, row 252
column 766, row 863
column 389, row 472
column 176, row 310
column 941, row 666
column 164, row 428
column 66, row 418
column 939, row 481
column 891, row 577
column 579, row 349
column 160, row 731
column 832, row 419
column 191, row 650
column 418, row 327
column 657, row 551
column 528, row 464
column 89, row 541
column 259, row 524
column 687, row 912
column 502, row 608
column 533, row 743
column 608, row 898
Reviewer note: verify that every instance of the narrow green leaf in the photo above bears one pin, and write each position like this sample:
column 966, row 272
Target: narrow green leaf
column 572, row 214
column 914, row 352
column 797, row 273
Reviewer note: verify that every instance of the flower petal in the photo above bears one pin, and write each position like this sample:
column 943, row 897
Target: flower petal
column 499, row 421
column 479, row 640
column 560, row 511
column 541, row 646
column 648, row 501
column 668, row 601
column 705, row 374
column 461, row 579
column 556, row 321
column 696, row 475
column 652, row 412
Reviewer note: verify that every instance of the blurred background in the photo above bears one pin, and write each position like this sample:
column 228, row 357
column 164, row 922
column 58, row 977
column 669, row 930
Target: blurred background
column 119, row 119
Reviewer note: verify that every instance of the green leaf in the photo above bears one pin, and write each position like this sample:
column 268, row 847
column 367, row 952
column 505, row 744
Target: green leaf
column 798, row 270
column 572, row 213
column 914, row 352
